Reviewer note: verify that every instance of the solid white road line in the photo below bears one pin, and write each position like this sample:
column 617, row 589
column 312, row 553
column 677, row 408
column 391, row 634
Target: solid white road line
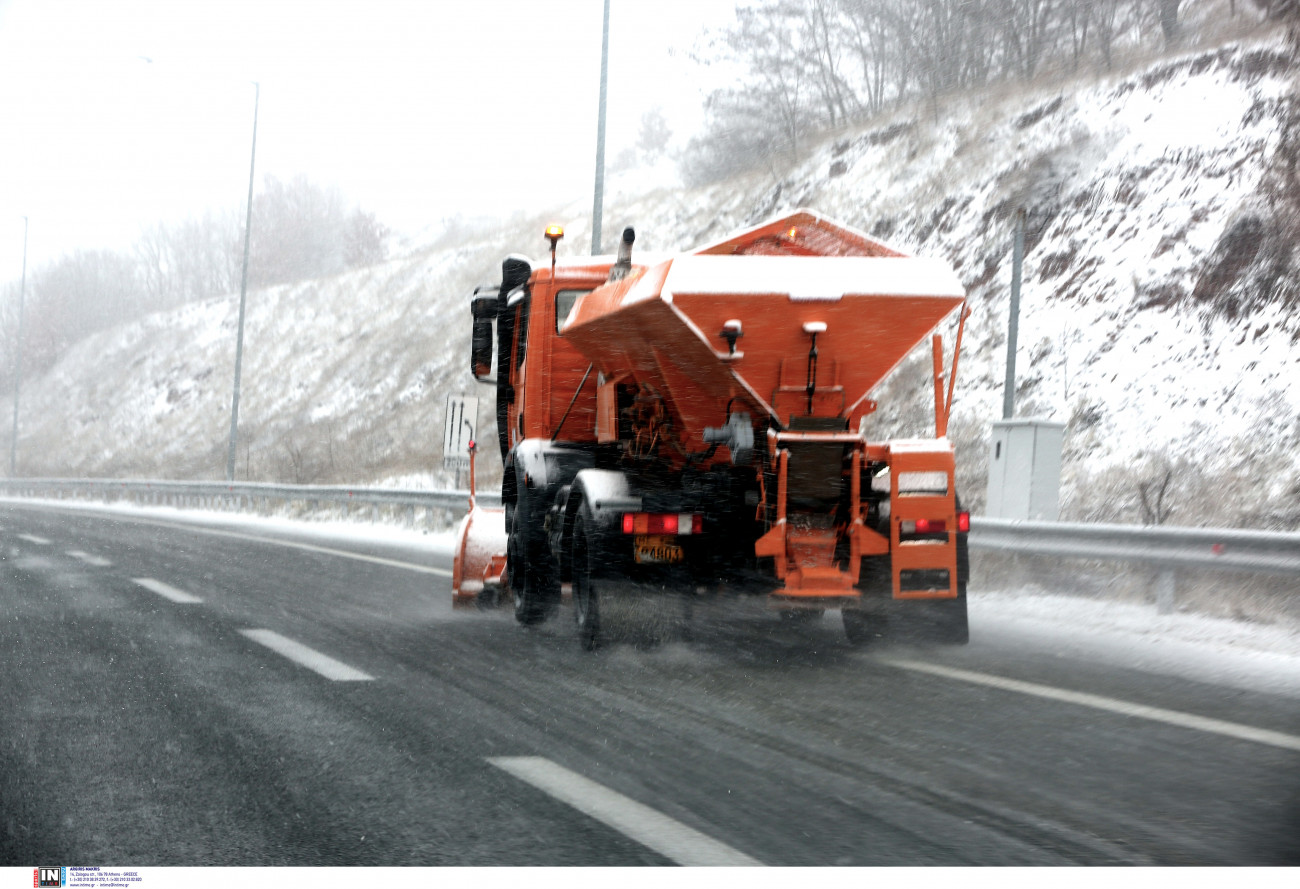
column 167, row 591
column 89, row 559
column 668, row 837
column 32, row 538
column 307, row 657
column 235, row 535
column 1113, row 705
column 311, row 548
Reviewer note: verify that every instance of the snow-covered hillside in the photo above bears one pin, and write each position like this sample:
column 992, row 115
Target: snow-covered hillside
column 1158, row 307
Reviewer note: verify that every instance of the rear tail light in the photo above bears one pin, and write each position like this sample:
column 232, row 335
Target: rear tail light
column 662, row 523
column 935, row 526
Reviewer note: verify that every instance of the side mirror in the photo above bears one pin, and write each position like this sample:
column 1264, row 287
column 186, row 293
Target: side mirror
column 484, row 309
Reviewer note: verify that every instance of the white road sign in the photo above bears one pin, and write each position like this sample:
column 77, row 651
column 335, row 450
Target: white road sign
column 462, row 414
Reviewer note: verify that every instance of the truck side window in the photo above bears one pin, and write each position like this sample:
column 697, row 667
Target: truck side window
column 514, row 332
column 521, row 341
column 564, row 301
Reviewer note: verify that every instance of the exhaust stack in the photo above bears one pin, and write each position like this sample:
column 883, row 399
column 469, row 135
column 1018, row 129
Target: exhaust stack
column 623, row 265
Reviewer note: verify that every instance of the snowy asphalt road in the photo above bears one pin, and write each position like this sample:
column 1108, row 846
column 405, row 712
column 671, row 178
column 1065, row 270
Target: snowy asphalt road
column 188, row 695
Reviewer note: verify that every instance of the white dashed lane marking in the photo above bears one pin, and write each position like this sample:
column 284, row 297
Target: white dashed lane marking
column 307, row 657
column 89, row 559
column 276, row 541
column 652, row 829
column 1113, row 705
column 167, row 591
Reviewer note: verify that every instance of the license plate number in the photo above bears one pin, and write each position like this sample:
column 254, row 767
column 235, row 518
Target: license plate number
column 656, row 551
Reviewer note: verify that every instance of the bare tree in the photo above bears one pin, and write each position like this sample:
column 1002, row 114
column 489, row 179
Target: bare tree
column 79, row 294
column 779, row 101
column 1104, row 16
column 365, row 240
column 1152, row 495
column 297, row 232
column 1279, row 10
column 819, row 31
column 1169, row 25
column 195, row 259
column 871, row 34
column 9, row 295
column 302, row 230
column 1078, row 19
column 1028, row 31
column 652, row 138
column 809, row 65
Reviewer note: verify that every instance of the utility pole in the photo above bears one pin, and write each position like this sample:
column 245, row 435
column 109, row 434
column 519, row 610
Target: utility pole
column 599, row 205
column 243, row 296
column 1013, row 321
column 18, row 360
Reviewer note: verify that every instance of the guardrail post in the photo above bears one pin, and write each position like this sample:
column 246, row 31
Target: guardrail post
column 1166, row 587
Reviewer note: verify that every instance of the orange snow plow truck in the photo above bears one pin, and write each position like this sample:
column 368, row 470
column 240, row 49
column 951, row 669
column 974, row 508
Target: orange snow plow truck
column 696, row 426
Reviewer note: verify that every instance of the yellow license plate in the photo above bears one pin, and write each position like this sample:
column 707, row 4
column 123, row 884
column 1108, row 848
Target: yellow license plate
column 656, row 551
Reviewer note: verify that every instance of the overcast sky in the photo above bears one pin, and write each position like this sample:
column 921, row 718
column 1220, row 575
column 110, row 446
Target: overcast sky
column 116, row 114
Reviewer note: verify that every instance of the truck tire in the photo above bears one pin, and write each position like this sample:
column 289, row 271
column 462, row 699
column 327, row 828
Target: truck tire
column 802, row 615
column 530, row 581
column 943, row 621
column 863, row 627
column 586, row 597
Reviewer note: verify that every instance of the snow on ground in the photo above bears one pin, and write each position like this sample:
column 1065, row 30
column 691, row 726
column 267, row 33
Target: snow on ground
column 439, row 542
column 1234, row 654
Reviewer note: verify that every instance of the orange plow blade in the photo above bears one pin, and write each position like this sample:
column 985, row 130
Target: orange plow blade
column 478, row 571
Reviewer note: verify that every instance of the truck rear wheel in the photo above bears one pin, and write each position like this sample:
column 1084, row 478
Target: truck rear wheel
column 586, row 598
column 531, row 584
column 941, row 621
column 802, row 615
column 619, row 609
column 863, row 627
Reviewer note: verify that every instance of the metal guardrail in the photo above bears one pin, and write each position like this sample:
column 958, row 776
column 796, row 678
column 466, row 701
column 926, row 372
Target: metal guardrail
column 1164, row 546
column 238, row 495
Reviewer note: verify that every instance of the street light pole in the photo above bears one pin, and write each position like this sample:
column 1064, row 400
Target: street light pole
column 599, row 204
column 18, row 359
column 243, row 295
column 1013, row 320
